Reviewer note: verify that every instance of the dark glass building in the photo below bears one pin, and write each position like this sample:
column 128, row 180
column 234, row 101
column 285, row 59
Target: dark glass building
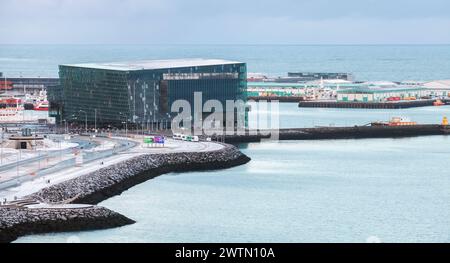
column 141, row 92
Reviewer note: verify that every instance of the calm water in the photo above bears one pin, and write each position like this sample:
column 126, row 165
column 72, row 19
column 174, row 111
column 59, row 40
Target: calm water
column 290, row 116
column 424, row 62
column 392, row 190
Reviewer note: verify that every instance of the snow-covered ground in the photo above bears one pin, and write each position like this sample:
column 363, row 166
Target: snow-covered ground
column 35, row 185
column 9, row 155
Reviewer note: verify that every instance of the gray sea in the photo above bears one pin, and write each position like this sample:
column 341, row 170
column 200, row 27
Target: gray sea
column 369, row 190
column 377, row 62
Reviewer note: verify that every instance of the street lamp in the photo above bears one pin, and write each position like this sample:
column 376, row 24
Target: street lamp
column 66, row 130
column 95, row 120
column 126, row 123
column 1, row 145
column 85, row 119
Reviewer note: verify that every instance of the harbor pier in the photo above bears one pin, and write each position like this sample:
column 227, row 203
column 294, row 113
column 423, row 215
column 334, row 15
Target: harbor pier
column 352, row 132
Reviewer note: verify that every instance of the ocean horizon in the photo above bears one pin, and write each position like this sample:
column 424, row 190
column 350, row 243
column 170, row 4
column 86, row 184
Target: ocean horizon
column 366, row 62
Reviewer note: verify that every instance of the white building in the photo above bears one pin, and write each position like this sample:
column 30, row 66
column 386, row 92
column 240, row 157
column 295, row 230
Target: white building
column 379, row 94
column 438, row 88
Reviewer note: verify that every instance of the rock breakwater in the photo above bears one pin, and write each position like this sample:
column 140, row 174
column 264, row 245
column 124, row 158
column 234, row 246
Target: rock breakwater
column 19, row 221
column 97, row 186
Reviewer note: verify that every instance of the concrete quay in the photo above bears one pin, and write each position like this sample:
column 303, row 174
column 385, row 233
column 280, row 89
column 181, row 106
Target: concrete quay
column 367, row 105
column 353, row 132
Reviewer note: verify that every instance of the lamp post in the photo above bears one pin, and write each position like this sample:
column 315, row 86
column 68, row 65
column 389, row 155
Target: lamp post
column 95, row 121
column 126, row 128
column 1, row 145
column 85, row 119
column 66, row 130
column 126, row 123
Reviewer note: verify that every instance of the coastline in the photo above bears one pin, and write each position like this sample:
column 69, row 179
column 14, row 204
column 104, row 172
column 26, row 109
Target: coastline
column 102, row 184
column 20, row 221
column 97, row 186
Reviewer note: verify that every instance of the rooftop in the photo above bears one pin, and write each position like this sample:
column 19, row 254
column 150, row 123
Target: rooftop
column 254, row 84
column 154, row 64
column 379, row 89
column 438, row 84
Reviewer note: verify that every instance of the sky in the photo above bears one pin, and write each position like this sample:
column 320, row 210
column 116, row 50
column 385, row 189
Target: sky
column 224, row 22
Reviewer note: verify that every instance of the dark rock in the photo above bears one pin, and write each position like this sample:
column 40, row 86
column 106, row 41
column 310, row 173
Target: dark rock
column 97, row 186
column 19, row 221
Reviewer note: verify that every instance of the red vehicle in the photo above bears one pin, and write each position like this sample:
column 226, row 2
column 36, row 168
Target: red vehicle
column 393, row 99
column 5, row 84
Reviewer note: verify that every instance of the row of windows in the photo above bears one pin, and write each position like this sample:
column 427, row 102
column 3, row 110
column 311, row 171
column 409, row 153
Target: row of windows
column 137, row 96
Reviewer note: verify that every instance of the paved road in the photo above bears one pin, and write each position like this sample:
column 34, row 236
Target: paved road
column 33, row 168
column 82, row 144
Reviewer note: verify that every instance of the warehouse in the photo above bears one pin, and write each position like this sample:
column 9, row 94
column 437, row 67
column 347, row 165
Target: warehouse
column 380, row 94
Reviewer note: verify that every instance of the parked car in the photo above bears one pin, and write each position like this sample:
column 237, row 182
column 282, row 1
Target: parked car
column 177, row 136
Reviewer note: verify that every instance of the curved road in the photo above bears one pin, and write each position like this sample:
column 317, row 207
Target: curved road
column 134, row 149
column 82, row 144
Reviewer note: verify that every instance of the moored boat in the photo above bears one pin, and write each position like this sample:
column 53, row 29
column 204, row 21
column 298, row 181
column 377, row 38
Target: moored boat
column 42, row 106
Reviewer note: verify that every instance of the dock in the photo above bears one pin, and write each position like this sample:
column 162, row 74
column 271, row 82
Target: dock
column 368, row 105
column 352, row 132
column 275, row 98
column 347, row 104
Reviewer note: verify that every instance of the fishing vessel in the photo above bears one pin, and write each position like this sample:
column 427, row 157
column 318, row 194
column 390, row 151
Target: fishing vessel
column 438, row 103
column 395, row 121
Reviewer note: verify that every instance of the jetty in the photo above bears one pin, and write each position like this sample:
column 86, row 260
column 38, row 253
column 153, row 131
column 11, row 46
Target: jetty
column 352, row 132
column 25, row 217
column 367, row 105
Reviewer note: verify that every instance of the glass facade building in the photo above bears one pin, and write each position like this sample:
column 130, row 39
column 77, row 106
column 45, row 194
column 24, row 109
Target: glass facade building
column 141, row 92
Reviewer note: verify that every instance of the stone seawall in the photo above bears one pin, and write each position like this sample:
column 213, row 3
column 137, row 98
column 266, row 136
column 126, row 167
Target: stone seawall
column 362, row 132
column 20, row 221
column 366, row 105
column 97, row 186
column 353, row 132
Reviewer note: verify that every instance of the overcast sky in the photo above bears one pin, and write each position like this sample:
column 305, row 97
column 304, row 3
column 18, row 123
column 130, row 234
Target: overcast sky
column 225, row 21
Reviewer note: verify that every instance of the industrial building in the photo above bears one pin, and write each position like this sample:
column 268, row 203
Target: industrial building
column 313, row 90
column 310, row 76
column 301, row 77
column 373, row 93
column 438, row 88
column 20, row 86
column 141, row 92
